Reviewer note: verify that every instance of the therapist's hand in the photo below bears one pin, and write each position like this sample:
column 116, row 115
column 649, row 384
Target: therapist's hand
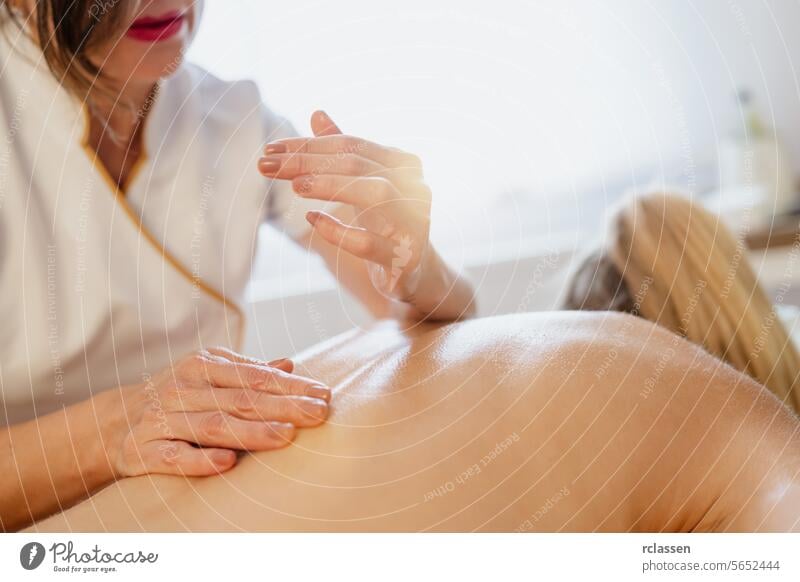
column 384, row 184
column 191, row 419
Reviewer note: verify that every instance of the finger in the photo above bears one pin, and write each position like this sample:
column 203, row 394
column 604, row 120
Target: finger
column 363, row 192
column 302, row 411
column 220, row 429
column 347, row 144
column 322, row 124
column 368, row 194
column 288, row 166
column 357, row 241
column 284, row 364
column 181, row 458
column 205, row 367
column 409, row 180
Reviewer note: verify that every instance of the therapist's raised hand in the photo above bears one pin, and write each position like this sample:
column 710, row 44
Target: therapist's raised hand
column 384, row 185
column 191, row 419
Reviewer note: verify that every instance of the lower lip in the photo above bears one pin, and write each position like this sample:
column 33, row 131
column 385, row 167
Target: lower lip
column 157, row 32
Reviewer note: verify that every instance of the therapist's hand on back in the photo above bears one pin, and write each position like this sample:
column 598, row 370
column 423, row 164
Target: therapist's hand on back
column 191, row 419
column 385, row 186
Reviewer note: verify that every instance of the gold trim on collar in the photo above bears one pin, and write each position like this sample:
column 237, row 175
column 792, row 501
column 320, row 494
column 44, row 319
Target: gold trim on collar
column 119, row 195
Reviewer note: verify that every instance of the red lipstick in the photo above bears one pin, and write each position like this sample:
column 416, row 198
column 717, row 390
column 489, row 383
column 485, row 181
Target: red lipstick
column 156, row 28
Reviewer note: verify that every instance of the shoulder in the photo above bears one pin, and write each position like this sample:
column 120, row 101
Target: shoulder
column 240, row 100
column 193, row 81
column 586, row 335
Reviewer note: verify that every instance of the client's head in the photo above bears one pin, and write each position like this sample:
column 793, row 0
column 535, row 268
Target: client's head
column 676, row 264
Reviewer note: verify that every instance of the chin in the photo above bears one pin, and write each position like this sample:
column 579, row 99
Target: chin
column 149, row 64
column 162, row 62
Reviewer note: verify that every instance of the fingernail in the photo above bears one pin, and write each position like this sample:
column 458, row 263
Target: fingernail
column 312, row 217
column 277, row 362
column 269, row 164
column 316, row 408
column 275, row 148
column 284, row 429
column 318, row 391
column 222, row 458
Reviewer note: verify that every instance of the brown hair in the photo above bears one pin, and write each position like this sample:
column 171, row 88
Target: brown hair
column 68, row 31
column 674, row 263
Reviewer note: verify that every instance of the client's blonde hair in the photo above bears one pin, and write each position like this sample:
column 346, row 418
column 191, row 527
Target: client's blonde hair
column 676, row 264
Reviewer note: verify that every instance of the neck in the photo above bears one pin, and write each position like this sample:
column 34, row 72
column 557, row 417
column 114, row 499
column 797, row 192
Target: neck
column 120, row 115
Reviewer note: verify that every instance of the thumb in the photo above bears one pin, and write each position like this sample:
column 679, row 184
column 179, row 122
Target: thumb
column 322, row 124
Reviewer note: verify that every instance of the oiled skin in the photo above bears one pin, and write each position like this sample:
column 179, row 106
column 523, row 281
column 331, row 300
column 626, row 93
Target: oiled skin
column 605, row 423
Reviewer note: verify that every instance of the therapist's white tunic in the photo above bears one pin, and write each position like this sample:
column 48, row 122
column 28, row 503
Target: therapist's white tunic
column 101, row 287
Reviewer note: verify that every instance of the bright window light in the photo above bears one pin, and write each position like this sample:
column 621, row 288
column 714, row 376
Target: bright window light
column 518, row 108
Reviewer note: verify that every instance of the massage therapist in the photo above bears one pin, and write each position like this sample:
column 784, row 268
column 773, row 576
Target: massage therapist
column 132, row 187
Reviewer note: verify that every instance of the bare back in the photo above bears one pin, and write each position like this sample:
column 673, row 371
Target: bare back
column 530, row 422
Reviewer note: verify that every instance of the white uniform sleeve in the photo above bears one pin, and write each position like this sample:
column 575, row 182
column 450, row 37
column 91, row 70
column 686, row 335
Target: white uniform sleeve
column 286, row 211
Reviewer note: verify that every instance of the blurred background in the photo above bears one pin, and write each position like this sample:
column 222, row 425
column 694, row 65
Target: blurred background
column 531, row 117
